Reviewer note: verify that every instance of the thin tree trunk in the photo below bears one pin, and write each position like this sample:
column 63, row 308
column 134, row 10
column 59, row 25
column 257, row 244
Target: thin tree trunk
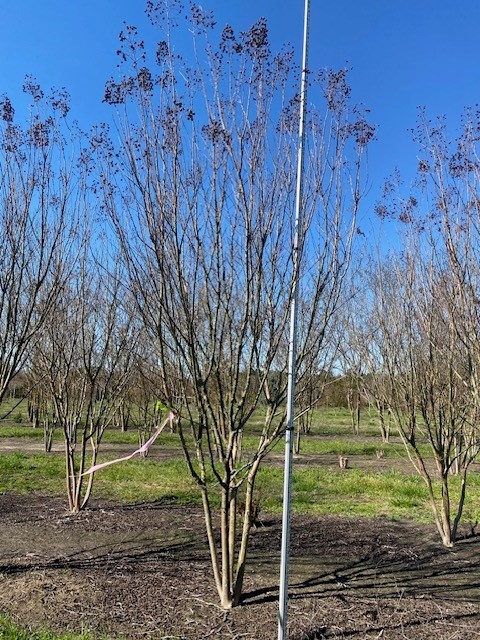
column 226, row 595
column 461, row 502
column 247, row 526
column 207, row 510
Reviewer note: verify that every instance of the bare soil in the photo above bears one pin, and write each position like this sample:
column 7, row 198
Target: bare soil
column 142, row 571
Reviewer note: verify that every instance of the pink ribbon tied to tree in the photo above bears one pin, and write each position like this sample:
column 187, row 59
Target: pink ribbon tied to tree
column 143, row 449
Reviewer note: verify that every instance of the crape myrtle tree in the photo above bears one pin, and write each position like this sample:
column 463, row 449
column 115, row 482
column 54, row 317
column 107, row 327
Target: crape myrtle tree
column 315, row 380
column 313, row 395
column 41, row 409
column 140, row 406
column 85, row 358
column 431, row 381
column 427, row 310
column 360, row 354
column 144, row 393
column 201, row 195
column 41, row 200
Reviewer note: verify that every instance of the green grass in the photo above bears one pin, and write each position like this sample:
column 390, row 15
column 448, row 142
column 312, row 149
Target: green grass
column 349, row 447
column 24, row 473
column 114, row 436
column 310, row 444
column 350, row 493
column 357, row 446
column 25, row 432
column 111, row 436
column 131, row 481
column 354, row 492
column 146, row 480
column 9, row 630
column 329, row 422
column 316, row 490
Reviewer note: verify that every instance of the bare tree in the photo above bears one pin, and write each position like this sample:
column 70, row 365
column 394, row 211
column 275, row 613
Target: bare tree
column 145, row 391
column 41, row 201
column 204, row 215
column 360, row 354
column 427, row 306
column 311, row 398
column 41, row 409
column 86, row 357
column 431, row 382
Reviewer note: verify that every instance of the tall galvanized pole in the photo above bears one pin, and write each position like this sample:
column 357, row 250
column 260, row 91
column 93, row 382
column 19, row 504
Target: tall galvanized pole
column 292, row 351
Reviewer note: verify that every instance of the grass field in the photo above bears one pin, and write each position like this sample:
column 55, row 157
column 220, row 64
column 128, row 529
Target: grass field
column 368, row 488
column 317, row 488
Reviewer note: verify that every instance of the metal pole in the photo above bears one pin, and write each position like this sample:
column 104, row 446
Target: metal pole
column 292, row 350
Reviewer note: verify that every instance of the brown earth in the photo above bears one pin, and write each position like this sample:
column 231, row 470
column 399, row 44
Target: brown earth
column 142, row 571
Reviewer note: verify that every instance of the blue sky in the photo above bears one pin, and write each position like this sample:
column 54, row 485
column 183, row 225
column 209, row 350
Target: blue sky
column 403, row 54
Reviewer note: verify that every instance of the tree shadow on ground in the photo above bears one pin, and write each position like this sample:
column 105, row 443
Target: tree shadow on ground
column 439, row 572
column 145, row 569
column 131, row 553
column 380, row 630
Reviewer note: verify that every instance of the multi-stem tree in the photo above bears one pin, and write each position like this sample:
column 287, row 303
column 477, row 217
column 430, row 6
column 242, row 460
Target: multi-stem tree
column 431, row 376
column 428, row 314
column 204, row 213
column 359, row 354
column 85, row 357
column 41, row 201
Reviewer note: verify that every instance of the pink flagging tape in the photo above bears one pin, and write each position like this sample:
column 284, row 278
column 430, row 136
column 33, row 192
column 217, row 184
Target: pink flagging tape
column 143, row 449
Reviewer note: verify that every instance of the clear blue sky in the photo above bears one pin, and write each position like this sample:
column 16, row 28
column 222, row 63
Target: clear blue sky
column 402, row 53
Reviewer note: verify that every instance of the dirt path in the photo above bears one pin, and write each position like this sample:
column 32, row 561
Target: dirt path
column 161, row 452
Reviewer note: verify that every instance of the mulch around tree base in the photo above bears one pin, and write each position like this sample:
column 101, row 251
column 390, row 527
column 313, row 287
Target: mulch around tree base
column 143, row 571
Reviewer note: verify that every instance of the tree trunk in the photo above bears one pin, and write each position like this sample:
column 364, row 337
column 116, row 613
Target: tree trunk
column 384, row 426
column 298, row 436
column 48, row 431
column 207, row 511
column 247, row 527
column 461, row 502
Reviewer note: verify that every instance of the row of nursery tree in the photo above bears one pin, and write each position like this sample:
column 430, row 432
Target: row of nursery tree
column 155, row 254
